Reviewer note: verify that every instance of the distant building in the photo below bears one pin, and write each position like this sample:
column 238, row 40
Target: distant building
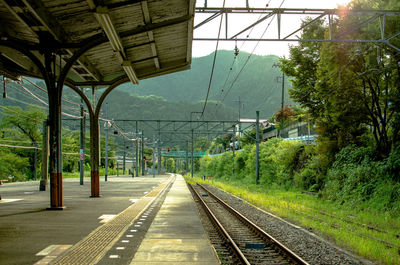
column 296, row 131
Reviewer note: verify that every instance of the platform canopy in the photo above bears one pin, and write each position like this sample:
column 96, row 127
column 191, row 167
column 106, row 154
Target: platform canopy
column 111, row 38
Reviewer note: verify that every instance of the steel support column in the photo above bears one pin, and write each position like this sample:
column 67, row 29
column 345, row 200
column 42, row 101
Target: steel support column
column 94, row 156
column 233, row 149
column 192, row 154
column 45, row 157
column 187, row 157
column 143, row 162
column 257, row 147
column 94, row 113
column 137, row 151
column 159, row 149
column 82, row 145
column 55, row 163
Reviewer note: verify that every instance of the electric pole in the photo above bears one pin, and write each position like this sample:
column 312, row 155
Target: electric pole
column 257, row 147
column 233, row 149
column 187, row 157
column 45, row 157
column 159, row 149
column 154, row 157
column 283, row 86
column 143, row 162
column 137, row 150
column 241, row 105
column 123, row 159
column 192, row 154
column 82, row 144
column 106, row 124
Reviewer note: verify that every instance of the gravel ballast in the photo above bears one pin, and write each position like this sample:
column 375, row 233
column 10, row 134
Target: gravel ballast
column 312, row 248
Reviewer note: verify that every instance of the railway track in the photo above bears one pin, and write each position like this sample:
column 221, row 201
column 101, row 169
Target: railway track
column 248, row 243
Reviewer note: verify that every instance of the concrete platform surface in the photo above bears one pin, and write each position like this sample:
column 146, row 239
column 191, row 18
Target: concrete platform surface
column 29, row 232
column 176, row 235
column 140, row 220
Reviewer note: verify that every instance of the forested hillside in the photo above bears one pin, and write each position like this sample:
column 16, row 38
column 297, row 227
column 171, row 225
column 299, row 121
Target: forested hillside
column 121, row 105
column 256, row 85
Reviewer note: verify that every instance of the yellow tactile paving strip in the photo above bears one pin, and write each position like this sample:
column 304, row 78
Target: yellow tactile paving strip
column 93, row 247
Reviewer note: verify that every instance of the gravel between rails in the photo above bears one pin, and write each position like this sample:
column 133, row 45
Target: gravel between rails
column 312, row 248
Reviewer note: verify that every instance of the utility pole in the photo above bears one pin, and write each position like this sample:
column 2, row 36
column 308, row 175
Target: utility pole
column 143, row 163
column 82, row 144
column 187, row 157
column 283, row 86
column 123, row 159
column 137, row 150
column 45, row 157
column 192, row 154
column 283, row 90
column 106, row 143
column 233, row 149
column 153, row 157
column 240, row 126
column 35, row 162
column 134, row 143
column 257, row 147
column 159, row 149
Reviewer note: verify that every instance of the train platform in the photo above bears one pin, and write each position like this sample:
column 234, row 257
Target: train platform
column 142, row 220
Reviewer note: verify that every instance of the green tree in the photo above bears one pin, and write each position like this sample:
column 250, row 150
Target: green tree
column 23, row 127
column 348, row 88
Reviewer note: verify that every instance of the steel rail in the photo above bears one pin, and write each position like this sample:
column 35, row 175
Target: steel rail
column 239, row 254
column 257, row 229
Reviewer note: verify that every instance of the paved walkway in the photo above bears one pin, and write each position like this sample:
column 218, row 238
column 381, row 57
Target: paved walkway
column 29, row 232
column 105, row 230
column 176, row 235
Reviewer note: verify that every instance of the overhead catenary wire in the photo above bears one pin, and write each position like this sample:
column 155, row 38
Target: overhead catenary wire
column 234, row 60
column 42, row 99
column 47, row 92
column 45, row 103
column 251, row 30
column 213, row 64
column 251, row 54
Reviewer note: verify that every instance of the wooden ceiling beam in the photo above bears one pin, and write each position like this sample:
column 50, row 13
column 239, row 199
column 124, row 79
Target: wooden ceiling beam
column 19, row 59
column 103, row 17
column 147, row 20
column 37, row 8
column 190, row 29
column 49, row 24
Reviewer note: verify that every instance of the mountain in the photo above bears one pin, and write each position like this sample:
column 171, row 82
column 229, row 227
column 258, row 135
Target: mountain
column 256, row 84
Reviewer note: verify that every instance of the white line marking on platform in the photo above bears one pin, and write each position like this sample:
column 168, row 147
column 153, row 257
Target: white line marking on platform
column 120, row 248
column 125, row 241
column 133, row 230
column 133, row 200
column 137, row 225
column 129, row 235
column 106, row 217
column 114, row 256
column 47, row 250
column 9, row 200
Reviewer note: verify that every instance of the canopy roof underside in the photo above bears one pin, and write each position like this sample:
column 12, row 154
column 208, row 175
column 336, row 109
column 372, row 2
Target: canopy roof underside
column 114, row 38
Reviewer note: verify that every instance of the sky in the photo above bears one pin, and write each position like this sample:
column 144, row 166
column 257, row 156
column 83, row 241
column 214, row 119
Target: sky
column 289, row 23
